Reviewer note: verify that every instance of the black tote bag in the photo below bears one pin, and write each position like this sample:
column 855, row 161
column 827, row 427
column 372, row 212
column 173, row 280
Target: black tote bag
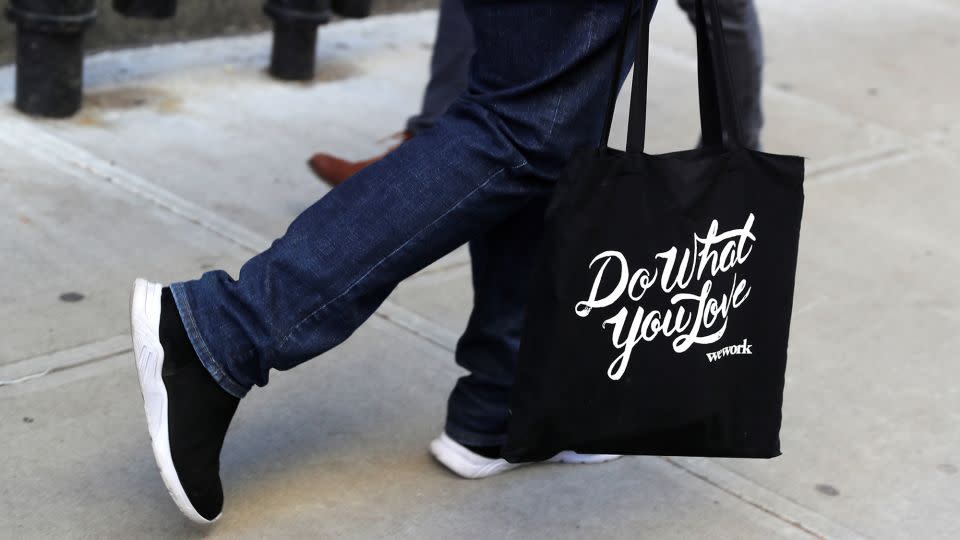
column 660, row 307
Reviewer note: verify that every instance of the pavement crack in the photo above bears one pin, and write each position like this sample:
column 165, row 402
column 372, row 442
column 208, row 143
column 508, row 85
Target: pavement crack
column 65, row 367
column 857, row 164
column 786, row 519
column 780, row 507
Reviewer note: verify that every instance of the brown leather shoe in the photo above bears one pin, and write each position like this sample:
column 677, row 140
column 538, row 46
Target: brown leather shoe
column 335, row 171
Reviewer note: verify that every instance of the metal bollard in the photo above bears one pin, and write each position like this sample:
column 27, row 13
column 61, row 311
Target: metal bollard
column 49, row 79
column 146, row 9
column 295, row 25
column 354, row 9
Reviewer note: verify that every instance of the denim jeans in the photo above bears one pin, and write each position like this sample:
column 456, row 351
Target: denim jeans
column 453, row 47
column 489, row 345
column 537, row 91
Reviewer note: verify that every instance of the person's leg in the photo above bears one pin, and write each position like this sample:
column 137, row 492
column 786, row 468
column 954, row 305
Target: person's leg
column 741, row 31
column 449, row 69
column 478, row 408
column 449, row 65
column 537, row 93
column 538, row 88
column 501, row 262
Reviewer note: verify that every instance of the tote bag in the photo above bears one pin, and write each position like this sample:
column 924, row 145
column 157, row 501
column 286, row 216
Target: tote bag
column 660, row 308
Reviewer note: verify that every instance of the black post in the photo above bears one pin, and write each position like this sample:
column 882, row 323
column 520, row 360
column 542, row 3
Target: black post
column 354, row 9
column 146, row 9
column 49, row 79
column 295, row 25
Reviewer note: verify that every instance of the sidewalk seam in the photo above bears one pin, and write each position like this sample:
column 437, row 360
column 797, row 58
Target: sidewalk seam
column 35, row 367
column 902, row 146
column 694, row 467
column 75, row 160
column 81, row 163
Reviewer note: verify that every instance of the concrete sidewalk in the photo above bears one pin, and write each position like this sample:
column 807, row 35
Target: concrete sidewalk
column 192, row 150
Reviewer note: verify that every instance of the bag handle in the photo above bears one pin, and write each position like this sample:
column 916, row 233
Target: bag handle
column 622, row 35
column 715, row 83
column 718, row 108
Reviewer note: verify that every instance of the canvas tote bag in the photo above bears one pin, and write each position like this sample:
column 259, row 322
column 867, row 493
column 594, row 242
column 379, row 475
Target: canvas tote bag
column 660, row 307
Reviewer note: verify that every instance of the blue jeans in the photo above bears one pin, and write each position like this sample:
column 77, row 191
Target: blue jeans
column 537, row 91
column 489, row 345
column 453, row 47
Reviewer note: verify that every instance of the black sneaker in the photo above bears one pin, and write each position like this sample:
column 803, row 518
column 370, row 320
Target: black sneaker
column 187, row 411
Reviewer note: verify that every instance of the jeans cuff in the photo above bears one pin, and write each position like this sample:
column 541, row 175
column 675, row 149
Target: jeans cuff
column 212, row 365
column 472, row 438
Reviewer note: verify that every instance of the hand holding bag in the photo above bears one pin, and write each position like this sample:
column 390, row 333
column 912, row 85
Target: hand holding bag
column 661, row 302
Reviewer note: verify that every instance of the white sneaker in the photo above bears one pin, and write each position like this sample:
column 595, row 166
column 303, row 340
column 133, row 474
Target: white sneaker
column 468, row 464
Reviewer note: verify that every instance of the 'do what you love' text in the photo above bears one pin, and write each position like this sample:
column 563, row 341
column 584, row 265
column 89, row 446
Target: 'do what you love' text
column 694, row 316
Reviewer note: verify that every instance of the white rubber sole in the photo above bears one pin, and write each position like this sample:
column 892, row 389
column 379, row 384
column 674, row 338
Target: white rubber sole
column 467, row 464
column 145, row 328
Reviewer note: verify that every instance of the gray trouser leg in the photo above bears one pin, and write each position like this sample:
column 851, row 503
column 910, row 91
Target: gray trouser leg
column 741, row 30
column 449, row 65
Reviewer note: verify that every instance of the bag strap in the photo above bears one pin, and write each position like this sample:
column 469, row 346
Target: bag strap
column 622, row 35
column 718, row 108
column 719, row 112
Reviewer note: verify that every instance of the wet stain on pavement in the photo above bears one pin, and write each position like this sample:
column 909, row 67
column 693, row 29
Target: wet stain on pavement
column 71, row 297
column 828, row 490
column 335, row 71
column 130, row 98
column 328, row 72
column 947, row 468
column 97, row 103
